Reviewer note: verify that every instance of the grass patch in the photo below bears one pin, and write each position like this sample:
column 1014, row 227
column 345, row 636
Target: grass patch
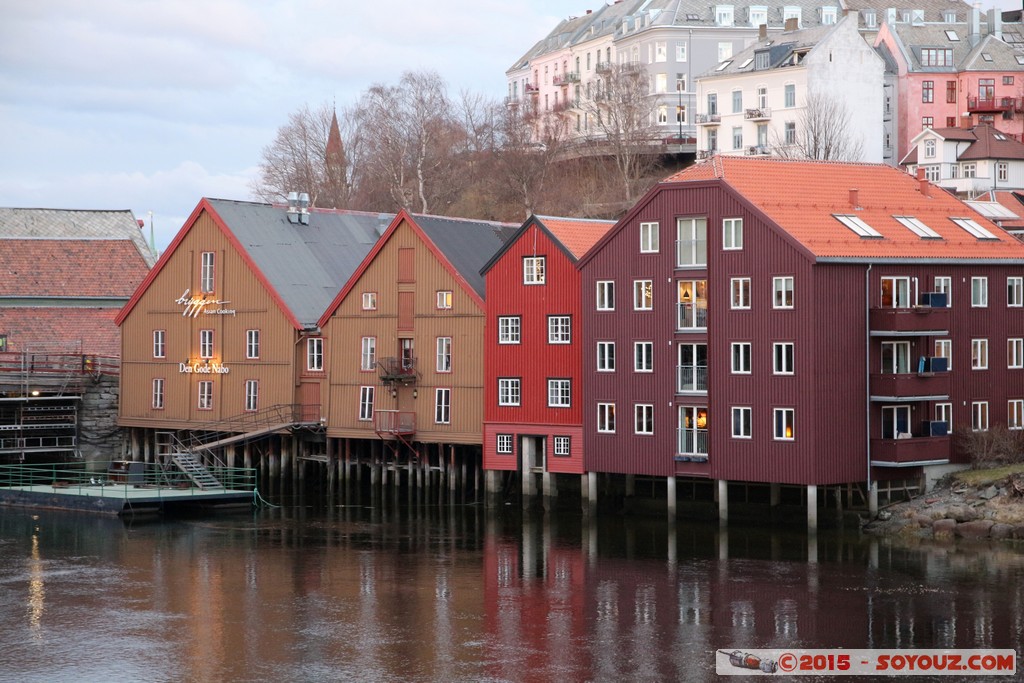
column 987, row 477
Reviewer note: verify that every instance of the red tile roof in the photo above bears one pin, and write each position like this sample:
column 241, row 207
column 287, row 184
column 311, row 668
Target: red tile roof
column 576, row 234
column 802, row 197
column 74, row 330
column 70, row 268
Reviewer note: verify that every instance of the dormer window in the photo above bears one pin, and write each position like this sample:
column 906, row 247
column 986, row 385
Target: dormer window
column 870, row 18
column 758, row 16
column 724, row 15
column 917, row 17
column 828, row 15
column 761, row 59
column 949, row 16
column 929, row 149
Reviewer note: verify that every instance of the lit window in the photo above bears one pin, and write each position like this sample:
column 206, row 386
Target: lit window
column 643, row 418
column 979, row 354
column 444, row 299
column 741, row 417
column 252, row 395
column 159, row 344
column 444, row 354
column 369, row 301
column 504, row 444
column 784, row 424
column 606, row 295
column 740, row 292
column 896, row 292
column 206, row 273
column 643, row 356
column 205, row 395
column 606, row 418
column 252, row 344
column 315, row 354
column 509, row 329
column 559, row 393
column 158, row 394
column 732, row 233
column 368, row 354
column 782, row 288
column 442, row 406
column 508, row 391
column 533, row 270
column 648, row 238
column 643, row 295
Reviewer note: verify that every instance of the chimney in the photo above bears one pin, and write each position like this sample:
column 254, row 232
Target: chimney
column 303, row 206
column 792, row 24
column 923, row 182
column 976, row 19
column 762, row 31
column 590, row 11
column 293, row 207
column 995, row 23
column 854, row 198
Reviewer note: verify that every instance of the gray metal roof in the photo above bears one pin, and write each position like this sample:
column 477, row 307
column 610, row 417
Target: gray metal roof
column 467, row 244
column 77, row 224
column 307, row 265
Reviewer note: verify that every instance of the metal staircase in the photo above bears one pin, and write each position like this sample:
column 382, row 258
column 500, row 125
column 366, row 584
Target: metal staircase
column 196, row 471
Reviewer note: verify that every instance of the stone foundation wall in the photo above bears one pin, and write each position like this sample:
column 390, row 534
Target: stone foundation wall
column 99, row 437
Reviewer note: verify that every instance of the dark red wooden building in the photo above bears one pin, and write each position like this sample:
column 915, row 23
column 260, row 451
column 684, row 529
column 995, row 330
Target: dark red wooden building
column 796, row 322
column 533, row 350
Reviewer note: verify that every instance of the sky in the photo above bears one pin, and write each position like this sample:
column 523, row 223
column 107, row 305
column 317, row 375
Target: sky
column 150, row 105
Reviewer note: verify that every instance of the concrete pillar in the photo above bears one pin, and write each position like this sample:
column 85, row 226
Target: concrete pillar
column 548, row 483
column 670, row 496
column 589, row 484
column 873, row 499
column 812, row 508
column 775, row 492
column 452, row 483
column 723, row 503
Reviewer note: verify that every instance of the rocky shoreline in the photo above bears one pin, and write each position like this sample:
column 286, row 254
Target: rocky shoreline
column 969, row 506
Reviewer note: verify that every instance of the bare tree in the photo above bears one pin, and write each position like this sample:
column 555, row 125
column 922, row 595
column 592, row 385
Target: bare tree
column 823, row 132
column 529, row 143
column 298, row 160
column 622, row 112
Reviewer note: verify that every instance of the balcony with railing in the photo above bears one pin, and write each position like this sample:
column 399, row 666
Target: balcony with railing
column 692, row 316
column 910, row 450
column 531, row 89
column 691, row 379
column 706, row 153
column 758, row 114
column 604, row 67
column 401, row 370
column 759, row 150
column 394, row 422
column 708, row 119
column 910, row 386
column 566, row 79
column 931, row 317
column 691, row 444
column 993, row 104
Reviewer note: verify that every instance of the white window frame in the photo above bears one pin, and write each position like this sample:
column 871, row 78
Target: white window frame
column 643, row 356
column 944, row 349
column 649, row 237
column 444, row 355
column 252, row 344
column 503, row 444
column 559, row 392
column 159, row 343
column 742, row 421
column 944, row 413
column 534, row 270
column 979, row 292
column 157, row 402
column 1015, row 413
column 740, row 354
column 692, row 242
column 1015, row 292
column 206, row 344
column 732, row 234
column 206, row 272
column 252, row 395
column 315, row 354
column 643, row 295
column 643, row 419
column 204, row 390
column 789, row 95
column 1015, row 353
column 680, row 52
column 605, row 297
column 369, row 301
column 562, row 447
column 442, row 406
column 974, row 228
column 510, row 328
column 979, row 354
column 944, row 284
column 606, row 418
column 788, row 416
column 739, row 288
column 559, row 329
column 783, row 295
column 783, row 358
column 509, row 391
column 444, row 299
column 979, row 416
column 899, row 291
column 368, row 354
column 605, row 356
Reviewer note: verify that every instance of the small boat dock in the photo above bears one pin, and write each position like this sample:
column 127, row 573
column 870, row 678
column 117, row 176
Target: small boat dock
column 127, row 488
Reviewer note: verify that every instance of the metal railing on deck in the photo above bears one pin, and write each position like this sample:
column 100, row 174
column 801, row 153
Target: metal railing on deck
column 61, row 476
column 54, row 372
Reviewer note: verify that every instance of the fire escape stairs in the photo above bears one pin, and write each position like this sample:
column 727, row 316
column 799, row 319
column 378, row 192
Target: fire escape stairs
column 196, row 471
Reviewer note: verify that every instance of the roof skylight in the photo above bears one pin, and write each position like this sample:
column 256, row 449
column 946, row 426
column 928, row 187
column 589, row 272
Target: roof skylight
column 918, row 228
column 951, row 34
column 974, row 228
column 986, row 56
column 857, row 225
column 746, row 63
column 724, row 65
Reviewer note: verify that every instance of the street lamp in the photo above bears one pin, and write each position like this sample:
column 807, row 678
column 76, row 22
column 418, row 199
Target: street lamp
column 679, row 109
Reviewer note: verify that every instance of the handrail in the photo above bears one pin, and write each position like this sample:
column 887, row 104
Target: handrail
column 153, row 475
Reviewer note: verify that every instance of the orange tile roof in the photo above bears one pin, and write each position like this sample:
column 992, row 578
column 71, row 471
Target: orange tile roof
column 70, row 268
column 577, row 235
column 802, row 197
column 80, row 330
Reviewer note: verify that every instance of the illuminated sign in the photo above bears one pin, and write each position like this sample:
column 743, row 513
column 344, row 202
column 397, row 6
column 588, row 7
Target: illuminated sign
column 201, row 367
column 196, row 305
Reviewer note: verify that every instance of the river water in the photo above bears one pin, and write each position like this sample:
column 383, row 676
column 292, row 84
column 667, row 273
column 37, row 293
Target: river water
column 320, row 592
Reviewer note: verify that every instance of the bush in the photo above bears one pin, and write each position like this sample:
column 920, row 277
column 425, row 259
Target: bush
column 996, row 446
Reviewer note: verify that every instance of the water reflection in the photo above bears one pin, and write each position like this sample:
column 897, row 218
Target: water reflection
column 447, row 593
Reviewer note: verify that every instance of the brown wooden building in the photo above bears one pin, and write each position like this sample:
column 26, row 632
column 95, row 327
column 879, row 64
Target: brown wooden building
column 222, row 335
column 405, row 339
